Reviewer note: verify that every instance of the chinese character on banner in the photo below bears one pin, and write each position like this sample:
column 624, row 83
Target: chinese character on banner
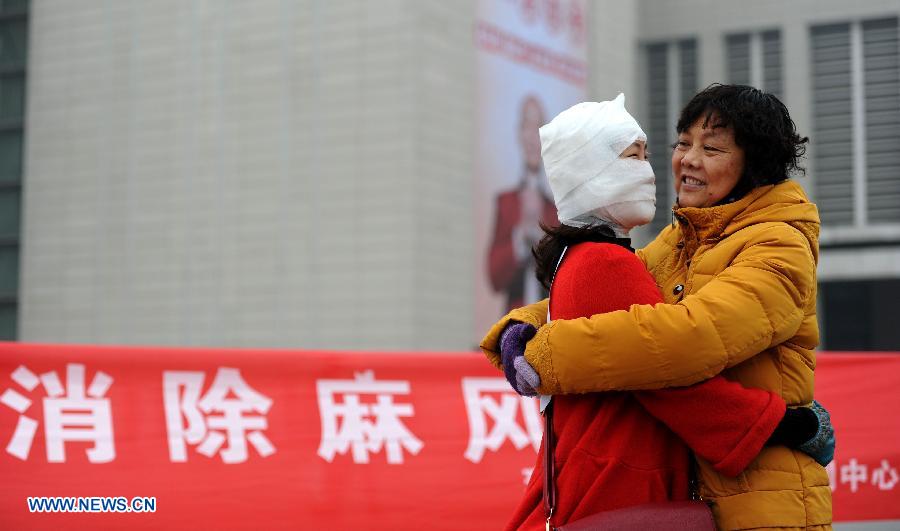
column 481, row 406
column 356, row 431
column 854, row 473
column 230, row 411
column 69, row 415
column 885, row 477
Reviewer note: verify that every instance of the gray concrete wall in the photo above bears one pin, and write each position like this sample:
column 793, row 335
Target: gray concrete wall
column 614, row 52
column 250, row 174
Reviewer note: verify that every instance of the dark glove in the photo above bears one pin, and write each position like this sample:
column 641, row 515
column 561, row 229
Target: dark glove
column 522, row 376
column 821, row 446
column 807, row 429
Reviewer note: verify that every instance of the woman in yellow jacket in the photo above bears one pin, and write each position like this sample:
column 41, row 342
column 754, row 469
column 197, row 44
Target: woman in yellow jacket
column 737, row 268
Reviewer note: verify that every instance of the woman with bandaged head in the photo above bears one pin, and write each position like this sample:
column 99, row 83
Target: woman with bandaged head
column 612, row 330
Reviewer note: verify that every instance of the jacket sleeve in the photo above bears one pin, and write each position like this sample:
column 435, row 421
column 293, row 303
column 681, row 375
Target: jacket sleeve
column 533, row 314
column 721, row 421
column 754, row 303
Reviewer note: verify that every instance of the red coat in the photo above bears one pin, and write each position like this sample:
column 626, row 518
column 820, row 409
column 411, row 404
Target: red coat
column 507, row 274
column 620, row 448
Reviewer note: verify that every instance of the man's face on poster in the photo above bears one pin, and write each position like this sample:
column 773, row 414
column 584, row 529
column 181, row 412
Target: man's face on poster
column 532, row 118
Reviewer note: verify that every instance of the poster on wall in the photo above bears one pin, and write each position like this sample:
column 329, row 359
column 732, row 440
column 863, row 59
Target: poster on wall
column 532, row 64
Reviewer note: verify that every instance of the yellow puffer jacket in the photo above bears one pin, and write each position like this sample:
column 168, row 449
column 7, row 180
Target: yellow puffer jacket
column 740, row 287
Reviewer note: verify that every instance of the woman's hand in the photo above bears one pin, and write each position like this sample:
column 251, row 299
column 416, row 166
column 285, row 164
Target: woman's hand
column 521, row 376
column 809, row 430
column 533, row 314
column 821, row 446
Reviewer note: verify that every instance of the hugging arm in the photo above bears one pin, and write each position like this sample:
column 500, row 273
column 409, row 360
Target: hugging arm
column 720, row 420
column 668, row 345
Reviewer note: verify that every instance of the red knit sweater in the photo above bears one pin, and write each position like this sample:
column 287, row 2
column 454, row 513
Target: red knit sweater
column 620, row 449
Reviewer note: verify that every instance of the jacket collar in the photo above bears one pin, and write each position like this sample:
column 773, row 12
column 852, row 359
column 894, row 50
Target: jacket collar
column 785, row 201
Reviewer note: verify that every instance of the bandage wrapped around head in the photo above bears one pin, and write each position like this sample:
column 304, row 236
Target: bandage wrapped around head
column 581, row 149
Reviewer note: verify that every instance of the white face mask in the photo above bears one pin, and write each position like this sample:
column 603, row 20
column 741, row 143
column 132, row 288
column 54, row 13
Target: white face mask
column 637, row 203
column 582, row 150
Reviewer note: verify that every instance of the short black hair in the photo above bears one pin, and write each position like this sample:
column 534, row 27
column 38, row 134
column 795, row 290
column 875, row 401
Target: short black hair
column 762, row 127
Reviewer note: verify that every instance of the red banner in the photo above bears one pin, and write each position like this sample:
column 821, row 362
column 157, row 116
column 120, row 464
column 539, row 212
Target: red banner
column 862, row 393
column 148, row 438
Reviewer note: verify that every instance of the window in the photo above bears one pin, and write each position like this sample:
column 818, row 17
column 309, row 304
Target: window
column 13, row 56
column 771, row 60
column 856, row 122
column 859, row 314
column 671, row 82
column 881, row 77
column 12, row 97
column 738, row 58
column 755, row 59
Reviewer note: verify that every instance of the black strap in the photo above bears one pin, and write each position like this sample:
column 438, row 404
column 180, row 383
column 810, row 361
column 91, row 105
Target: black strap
column 549, row 470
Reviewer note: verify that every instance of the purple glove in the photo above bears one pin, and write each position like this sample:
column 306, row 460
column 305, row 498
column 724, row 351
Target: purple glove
column 522, row 376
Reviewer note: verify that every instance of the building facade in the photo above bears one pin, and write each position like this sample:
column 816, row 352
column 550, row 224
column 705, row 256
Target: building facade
column 299, row 174
column 836, row 67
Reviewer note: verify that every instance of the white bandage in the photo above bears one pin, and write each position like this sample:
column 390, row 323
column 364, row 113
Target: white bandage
column 581, row 149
